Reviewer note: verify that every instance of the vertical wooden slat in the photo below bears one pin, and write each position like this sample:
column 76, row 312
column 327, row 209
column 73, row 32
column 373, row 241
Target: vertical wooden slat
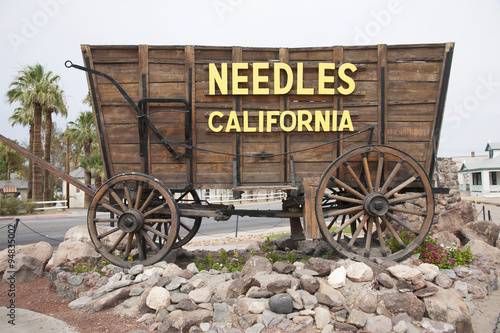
column 382, row 93
column 338, row 100
column 238, row 106
column 190, row 62
column 285, row 143
column 103, row 140
column 144, row 70
column 311, row 227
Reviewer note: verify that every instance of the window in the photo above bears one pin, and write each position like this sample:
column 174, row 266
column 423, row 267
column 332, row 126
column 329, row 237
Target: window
column 491, row 153
column 476, row 178
column 494, row 178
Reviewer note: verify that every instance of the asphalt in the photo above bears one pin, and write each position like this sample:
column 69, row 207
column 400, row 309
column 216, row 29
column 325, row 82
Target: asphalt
column 29, row 321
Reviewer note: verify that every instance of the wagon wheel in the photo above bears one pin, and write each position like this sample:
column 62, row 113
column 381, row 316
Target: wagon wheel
column 188, row 226
column 360, row 212
column 140, row 203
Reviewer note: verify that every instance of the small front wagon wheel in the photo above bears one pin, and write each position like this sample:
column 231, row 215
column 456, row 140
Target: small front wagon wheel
column 375, row 202
column 145, row 223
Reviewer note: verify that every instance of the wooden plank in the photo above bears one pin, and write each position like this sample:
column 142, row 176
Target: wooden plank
column 311, row 227
column 409, row 131
column 382, row 94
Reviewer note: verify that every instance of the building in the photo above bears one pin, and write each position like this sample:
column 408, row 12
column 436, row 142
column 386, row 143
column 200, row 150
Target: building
column 76, row 196
column 482, row 177
column 9, row 188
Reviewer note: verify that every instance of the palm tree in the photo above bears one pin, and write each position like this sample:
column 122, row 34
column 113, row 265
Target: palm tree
column 13, row 160
column 24, row 117
column 82, row 132
column 32, row 88
column 55, row 104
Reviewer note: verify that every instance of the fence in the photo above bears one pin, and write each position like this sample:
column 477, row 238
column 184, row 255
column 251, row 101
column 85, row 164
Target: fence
column 60, row 204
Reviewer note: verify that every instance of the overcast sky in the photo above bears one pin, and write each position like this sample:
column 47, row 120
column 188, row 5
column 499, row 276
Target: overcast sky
column 50, row 32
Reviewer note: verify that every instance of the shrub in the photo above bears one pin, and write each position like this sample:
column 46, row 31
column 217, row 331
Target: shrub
column 29, row 207
column 12, row 206
column 433, row 253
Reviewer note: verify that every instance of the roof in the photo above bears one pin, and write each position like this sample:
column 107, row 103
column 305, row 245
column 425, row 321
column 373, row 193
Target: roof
column 17, row 183
column 79, row 173
column 487, row 164
column 492, row 146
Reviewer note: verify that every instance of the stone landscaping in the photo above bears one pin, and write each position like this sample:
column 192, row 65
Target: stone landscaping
column 319, row 295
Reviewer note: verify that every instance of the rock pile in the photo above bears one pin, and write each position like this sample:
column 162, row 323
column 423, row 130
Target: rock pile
column 320, row 295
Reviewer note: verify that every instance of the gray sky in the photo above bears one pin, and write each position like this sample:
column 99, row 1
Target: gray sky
column 50, row 32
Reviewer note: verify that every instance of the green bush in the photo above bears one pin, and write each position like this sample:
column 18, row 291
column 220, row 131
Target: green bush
column 12, row 206
column 3, row 207
column 29, row 207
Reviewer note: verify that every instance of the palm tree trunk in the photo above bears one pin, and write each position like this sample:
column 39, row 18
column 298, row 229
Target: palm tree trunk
column 37, row 150
column 48, row 141
column 30, row 165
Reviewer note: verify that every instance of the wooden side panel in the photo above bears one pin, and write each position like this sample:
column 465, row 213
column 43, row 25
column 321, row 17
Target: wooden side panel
column 397, row 91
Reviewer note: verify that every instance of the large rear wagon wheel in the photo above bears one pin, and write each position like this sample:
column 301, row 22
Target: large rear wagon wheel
column 189, row 225
column 373, row 199
column 145, row 223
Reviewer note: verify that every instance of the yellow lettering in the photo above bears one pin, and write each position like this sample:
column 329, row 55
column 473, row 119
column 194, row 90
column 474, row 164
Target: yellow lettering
column 211, row 120
column 346, row 122
column 237, row 78
column 214, row 77
column 233, row 123
column 278, row 67
column 334, row 121
column 257, row 79
column 261, row 121
column 283, row 125
column 350, row 82
column 300, row 81
column 301, row 122
column 323, row 78
column 271, row 120
column 322, row 121
column 246, row 128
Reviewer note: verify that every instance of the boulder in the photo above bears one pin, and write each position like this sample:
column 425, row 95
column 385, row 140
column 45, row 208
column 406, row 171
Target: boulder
column 403, row 302
column 320, row 265
column 483, row 249
column 25, row 268
column 455, row 218
column 447, row 238
column 486, row 231
column 378, row 324
column 80, row 233
column 447, row 306
column 404, row 272
column 359, row 272
column 281, row 303
column 41, row 251
column 257, row 265
column 158, row 298
column 336, row 279
column 71, row 250
column 309, row 283
column 240, row 286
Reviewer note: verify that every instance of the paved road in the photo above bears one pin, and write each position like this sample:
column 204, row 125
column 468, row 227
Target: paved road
column 52, row 229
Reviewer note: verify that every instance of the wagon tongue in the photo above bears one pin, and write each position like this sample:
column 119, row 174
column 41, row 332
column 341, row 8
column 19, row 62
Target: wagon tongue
column 47, row 166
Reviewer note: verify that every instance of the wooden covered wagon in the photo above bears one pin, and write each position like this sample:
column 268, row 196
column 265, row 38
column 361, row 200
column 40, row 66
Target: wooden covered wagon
column 350, row 133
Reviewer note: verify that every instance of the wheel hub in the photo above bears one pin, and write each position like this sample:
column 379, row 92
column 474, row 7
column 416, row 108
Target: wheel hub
column 131, row 221
column 375, row 204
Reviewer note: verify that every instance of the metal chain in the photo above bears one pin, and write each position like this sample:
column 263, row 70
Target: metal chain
column 497, row 324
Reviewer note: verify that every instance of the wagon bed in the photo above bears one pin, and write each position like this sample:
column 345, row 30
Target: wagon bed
column 197, row 117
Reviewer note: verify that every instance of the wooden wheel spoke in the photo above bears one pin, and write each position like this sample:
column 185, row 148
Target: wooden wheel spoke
column 393, row 232
column 157, row 220
column 380, row 236
column 407, row 197
column 402, row 223
column 183, row 225
column 358, row 231
column 96, row 220
column 107, row 233
column 408, row 211
column 148, row 200
column 369, row 232
column 111, row 208
column 118, row 241
column 149, row 240
column 367, row 172
column 380, row 168
column 337, row 212
column 391, row 176
column 139, row 195
column 401, row 186
column 346, row 199
column 347, row 187
column 127, row 194
column 333, row 222
column 142, row 255
column 118, row 199
column 128, row 246
column 356, row 178
column 348, row 223
column 157, row 208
